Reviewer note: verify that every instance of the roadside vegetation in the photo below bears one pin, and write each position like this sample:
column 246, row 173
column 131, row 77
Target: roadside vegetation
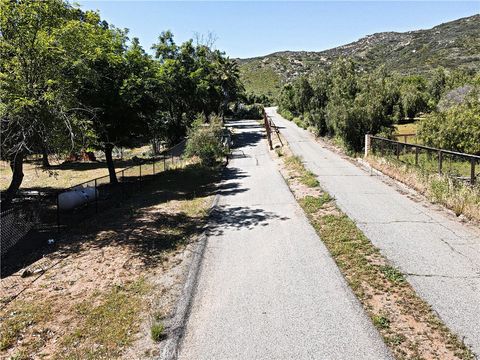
column 443, row 107
column 408, row 325
column 208, row 141
column 457, row 195
column 346, row 103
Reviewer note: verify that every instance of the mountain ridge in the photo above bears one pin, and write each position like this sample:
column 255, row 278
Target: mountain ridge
column 452, row 44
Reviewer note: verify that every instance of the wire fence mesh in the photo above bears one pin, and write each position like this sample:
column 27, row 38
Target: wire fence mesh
column 48, row 212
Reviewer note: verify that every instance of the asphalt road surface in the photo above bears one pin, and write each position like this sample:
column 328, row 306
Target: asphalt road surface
column 440, row 255
column 268, row 288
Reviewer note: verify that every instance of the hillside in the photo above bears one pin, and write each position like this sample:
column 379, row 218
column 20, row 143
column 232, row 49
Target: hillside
column 451, row 45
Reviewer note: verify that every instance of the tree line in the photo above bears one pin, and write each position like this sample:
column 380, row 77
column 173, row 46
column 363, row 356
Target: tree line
column 70, row 81
column 347, row 103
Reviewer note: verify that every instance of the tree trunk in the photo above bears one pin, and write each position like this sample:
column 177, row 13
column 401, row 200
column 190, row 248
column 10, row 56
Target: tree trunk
column 111, row 166
column 45, row 162
column 16, row 164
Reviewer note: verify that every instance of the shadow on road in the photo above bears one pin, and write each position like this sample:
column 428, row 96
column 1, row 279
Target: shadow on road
column 240, row 218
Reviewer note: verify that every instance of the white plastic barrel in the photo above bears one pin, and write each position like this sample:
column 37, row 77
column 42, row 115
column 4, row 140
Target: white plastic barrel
column 69, row 200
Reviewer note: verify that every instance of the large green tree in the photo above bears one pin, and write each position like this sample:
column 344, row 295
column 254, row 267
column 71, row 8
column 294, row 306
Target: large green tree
column 37, row 100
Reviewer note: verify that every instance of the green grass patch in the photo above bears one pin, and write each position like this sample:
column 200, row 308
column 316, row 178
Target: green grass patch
column 108, row 323
column 381, row 321
column 392, row 274
column 312, row 204
column 295, row 164
column 18, row 319
column 309, row 179
column 157, row 332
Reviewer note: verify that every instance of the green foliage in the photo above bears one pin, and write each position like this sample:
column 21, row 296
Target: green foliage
column 252, row 98
column 69, row 80
column 205, row 140
column 456, row 128
column 157, row 332
column 254, row 111
column 343, row 103
column 346, row 104
column 392, row 274
column 381, row 321
column 311, row 204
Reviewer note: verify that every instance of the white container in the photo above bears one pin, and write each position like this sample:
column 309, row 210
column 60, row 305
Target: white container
column 74, row 198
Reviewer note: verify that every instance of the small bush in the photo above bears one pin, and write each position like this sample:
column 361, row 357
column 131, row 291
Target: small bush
column 252, row 112
column 205, row 140
column 381, row 322
column 157, row 332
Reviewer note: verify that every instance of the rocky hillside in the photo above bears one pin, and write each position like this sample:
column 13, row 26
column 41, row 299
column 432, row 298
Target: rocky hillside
column 451, row 45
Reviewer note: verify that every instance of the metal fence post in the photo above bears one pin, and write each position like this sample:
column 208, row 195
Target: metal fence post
column 416, row 155
column 164, row 163
column 398, row 150
column 96, row 197
column 472, row 171
column 153, row 167
column 440, row 161
column 58, row 213
column 123, row 175
column 140, row 171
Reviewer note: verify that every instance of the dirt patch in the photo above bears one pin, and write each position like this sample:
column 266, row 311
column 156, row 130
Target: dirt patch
column 408, row 325
column 98, row 294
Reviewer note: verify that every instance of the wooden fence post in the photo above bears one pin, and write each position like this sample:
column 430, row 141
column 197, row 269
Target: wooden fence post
column 368, row 143
column 267, row 129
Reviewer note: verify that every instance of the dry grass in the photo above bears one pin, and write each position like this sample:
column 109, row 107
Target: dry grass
column 64, row 175
column 407, row 323
column 111, row 278
column 459, row 197
column 410, row 128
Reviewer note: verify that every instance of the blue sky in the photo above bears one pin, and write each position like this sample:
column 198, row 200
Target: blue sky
column 247, row 29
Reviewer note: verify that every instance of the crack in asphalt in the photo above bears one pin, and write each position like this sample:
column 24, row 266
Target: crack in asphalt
column 443, row 276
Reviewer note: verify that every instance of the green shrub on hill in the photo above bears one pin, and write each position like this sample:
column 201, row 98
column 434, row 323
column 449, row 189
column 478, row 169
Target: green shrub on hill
column 455, row 128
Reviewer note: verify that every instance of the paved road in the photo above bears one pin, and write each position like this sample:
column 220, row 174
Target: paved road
column 268, row 288
column 441, row 256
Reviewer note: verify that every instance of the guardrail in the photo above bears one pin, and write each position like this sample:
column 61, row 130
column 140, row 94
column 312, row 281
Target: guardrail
column 444, row 162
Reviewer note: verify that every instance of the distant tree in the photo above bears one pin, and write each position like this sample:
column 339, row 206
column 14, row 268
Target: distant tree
column 118, row 88
column 454, row 128
column 414, row 96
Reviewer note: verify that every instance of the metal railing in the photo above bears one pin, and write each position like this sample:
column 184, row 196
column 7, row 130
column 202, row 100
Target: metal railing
column 454, row 164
